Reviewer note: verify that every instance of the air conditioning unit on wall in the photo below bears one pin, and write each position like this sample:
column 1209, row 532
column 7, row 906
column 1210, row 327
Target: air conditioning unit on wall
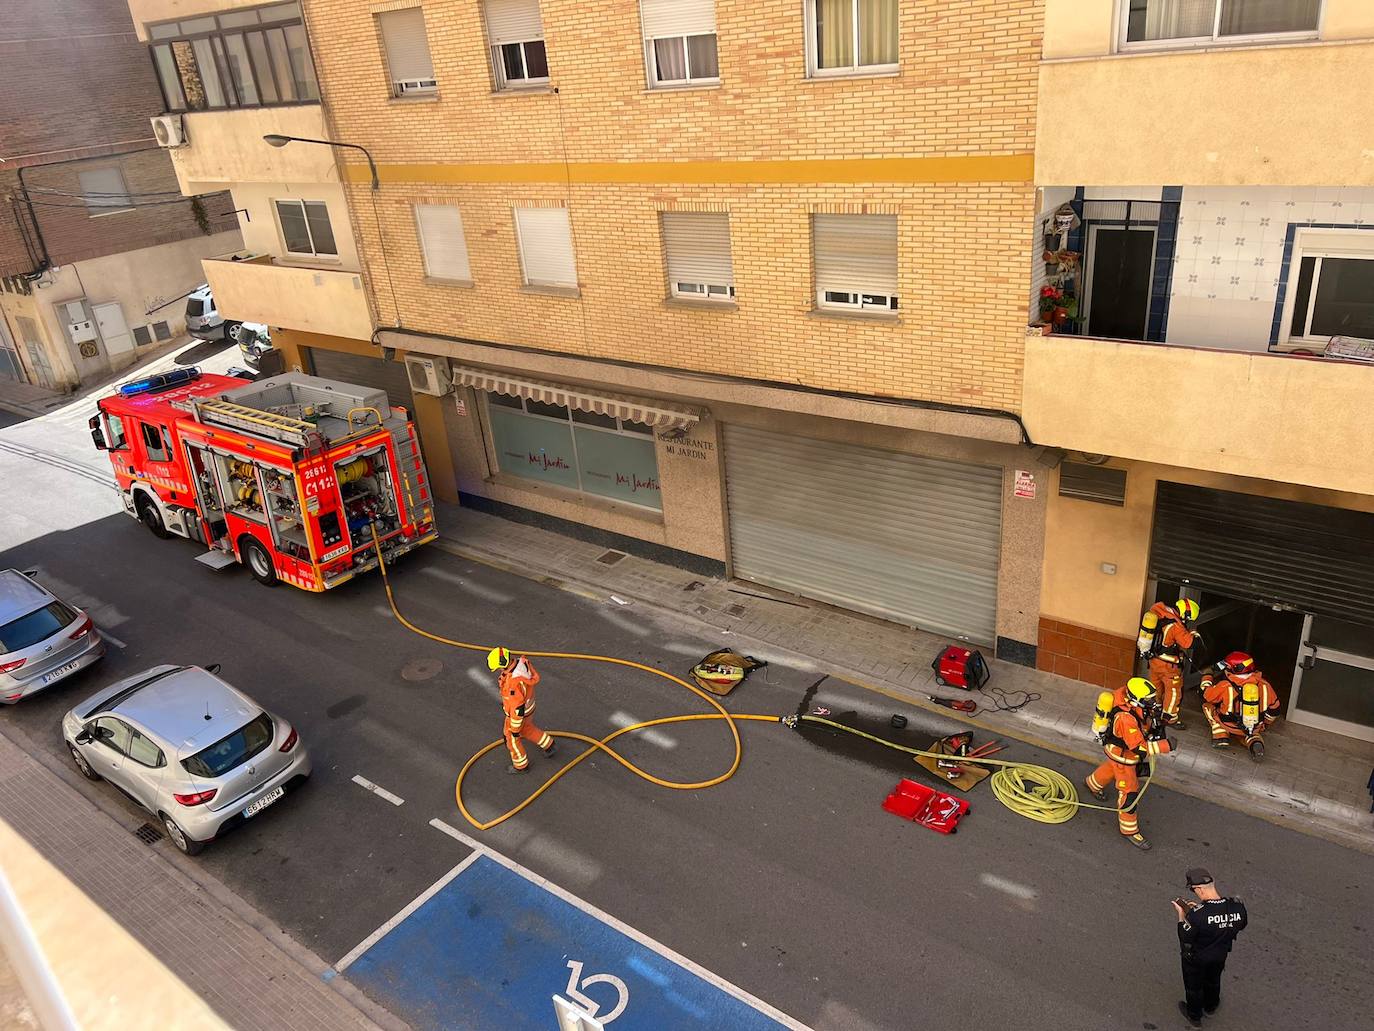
column 428, row 375
column 170, row 130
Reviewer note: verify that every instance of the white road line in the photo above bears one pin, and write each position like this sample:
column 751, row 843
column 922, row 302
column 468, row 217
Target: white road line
column 112, row 639
column 624, row 928
column 624, row 719
column 1012, row 888
column 386, row 928
column 365, row 783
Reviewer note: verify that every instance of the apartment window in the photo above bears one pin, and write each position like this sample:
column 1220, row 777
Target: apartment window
column 305, row 228
column 105, row 191
column 1334, row 290
column 680, row 41
column 546, row 250
column 1206, row 21
column 851, row 36
column 856, row 261
column 248, row 58
column 442, row 243
column 576, row 450
column 516, row 35
column 696, row 247
column 407, row 52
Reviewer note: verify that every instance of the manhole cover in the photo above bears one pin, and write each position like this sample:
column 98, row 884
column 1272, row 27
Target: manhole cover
column 148, row 834
column 610, row 558
column 421, row 669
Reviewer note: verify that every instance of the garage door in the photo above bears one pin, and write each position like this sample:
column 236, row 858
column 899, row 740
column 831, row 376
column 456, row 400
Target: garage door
column 364, row 372
column 1306, row 557
column 910, row 539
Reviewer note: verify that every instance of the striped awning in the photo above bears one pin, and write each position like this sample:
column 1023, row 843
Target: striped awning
column 662, row 414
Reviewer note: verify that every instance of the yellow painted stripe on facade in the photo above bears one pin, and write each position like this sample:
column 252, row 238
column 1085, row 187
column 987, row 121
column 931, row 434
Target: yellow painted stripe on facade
column 966, row 169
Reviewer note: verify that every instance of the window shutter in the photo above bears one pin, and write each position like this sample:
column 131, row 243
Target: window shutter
column 698, row 247
column 678, row 17
column 546, row 249
column 407, row 47
column 856, row 253
column 442, row 241
column 512, row 21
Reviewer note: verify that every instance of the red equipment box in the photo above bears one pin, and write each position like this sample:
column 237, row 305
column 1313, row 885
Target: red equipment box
column 960, row 667
column 926, row 806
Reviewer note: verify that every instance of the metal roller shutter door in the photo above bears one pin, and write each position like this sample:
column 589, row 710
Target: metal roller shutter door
column 1301, row 556
column 910, row 539
column 365, row 372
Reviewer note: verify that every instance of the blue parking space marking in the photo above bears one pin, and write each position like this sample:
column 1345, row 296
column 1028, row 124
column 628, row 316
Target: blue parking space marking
column 491, row 947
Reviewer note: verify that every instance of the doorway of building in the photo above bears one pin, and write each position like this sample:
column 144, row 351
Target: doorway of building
column 1269, row 635
column 1120, row 266
column 11, row 367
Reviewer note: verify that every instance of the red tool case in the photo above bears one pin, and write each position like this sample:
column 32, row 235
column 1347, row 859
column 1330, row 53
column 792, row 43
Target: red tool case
column 926, row 806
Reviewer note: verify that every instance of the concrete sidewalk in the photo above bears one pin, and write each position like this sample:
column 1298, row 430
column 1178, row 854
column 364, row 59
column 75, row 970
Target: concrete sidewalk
column 1310, row 780
column 28, row 401
column 249, row 979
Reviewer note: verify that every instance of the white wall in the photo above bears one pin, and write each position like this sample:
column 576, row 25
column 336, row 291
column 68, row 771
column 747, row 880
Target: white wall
column 1229, row 257
column 262, row 234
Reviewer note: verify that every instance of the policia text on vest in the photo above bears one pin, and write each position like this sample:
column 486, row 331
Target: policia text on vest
column 1206, row 929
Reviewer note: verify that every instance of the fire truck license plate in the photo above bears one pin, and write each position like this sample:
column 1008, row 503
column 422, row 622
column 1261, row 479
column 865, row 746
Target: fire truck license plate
column 61, row 671
column 264, row 801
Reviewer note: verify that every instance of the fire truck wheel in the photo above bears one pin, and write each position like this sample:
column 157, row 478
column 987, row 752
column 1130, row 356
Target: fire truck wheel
column 259, row 562
column 150, row 517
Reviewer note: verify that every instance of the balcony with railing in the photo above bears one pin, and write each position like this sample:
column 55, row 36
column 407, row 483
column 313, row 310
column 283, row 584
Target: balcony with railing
column 1206, row 92
column 277, row 293
column 1228, row 329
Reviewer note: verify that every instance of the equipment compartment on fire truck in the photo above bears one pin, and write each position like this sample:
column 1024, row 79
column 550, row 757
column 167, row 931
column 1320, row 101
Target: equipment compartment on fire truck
column 289, row 475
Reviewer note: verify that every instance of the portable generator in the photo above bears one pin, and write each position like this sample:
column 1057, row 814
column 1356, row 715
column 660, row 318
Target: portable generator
column 960, row 667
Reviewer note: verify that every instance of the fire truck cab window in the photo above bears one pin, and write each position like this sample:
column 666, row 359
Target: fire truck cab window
column 157, row 442
column 114, row 432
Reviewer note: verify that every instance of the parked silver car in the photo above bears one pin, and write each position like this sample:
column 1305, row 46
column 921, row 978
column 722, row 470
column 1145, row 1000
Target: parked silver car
column 203, row 320
column 42, row 639
column 195, row 752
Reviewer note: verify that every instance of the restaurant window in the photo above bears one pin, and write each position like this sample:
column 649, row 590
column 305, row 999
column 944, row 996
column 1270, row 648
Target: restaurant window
column 596, row 454
column 248, row 58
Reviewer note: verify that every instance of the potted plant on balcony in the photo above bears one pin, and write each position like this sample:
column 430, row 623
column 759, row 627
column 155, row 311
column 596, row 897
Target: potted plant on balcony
column 1053, row 310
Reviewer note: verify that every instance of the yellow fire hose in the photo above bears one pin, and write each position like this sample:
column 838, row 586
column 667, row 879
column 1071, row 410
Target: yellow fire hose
column 1035, row 792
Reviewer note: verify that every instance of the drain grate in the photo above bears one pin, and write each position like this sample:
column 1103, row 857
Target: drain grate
column 610, row 558
column 148, row 834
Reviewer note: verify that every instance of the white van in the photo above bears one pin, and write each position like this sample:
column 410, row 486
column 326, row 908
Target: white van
column 203, row 319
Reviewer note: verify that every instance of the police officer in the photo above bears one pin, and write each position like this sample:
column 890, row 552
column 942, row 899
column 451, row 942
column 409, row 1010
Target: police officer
column 1206, row 929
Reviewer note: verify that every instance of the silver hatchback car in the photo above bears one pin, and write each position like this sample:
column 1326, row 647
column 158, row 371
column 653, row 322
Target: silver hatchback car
column 42, row 639
column 193, row 751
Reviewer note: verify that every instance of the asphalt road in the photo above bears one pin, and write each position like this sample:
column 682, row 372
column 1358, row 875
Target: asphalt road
column 788, row 880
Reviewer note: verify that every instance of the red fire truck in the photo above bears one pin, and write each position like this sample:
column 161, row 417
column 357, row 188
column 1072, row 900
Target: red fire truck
column 287, row 475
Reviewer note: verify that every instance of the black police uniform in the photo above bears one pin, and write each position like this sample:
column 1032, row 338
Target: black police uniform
column 1205, row 933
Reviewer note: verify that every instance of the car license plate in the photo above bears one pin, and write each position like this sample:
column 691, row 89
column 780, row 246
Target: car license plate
column 61, row 671
column 266, row 800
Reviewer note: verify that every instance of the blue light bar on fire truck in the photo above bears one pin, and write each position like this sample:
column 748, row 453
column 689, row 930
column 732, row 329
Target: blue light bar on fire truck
column 162, row 381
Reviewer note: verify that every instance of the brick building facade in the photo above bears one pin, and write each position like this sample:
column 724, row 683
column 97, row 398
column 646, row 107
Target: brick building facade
column 90, row 212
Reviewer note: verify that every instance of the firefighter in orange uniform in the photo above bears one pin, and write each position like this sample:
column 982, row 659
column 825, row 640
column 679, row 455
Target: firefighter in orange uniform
column 1131, row 734
column 1166, row 632
column 1238, row 702
column 517, row 680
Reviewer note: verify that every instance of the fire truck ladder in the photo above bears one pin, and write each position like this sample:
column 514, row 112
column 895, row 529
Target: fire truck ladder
column 412, row 480
column 284, row 428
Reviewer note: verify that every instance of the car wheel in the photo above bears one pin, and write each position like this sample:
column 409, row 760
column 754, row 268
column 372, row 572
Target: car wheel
column 150, row 517
column 259, row 562
column 190, row 846
column 82, row 765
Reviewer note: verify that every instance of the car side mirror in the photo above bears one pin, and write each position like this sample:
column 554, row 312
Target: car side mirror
column 213, row 668
column 84, row 738
column 97, row 435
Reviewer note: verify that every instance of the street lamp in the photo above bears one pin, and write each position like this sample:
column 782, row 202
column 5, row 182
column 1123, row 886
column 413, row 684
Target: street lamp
column 277, row 140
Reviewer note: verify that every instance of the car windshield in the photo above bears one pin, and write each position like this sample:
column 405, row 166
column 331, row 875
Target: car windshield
column 26, row 631
column 195, row 306
column 234, row 750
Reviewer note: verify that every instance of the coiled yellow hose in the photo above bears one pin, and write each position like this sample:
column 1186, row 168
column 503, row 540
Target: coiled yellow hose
column 1035, row 792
